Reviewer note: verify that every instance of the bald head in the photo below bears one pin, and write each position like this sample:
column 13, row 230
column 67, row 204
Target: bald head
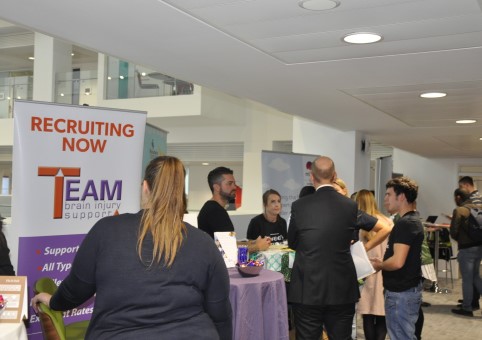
column 323, row 170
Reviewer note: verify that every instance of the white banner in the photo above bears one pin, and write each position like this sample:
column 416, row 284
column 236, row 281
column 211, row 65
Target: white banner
column 286, row 173
column 72, row 165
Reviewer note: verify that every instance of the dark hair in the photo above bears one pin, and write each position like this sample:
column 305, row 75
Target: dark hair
column 466, row 180
column 404, row 185
column 464, row 195
column 266, row 195
column 306, row 190
column 215, row 176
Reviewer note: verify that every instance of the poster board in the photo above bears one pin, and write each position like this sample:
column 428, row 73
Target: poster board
column 286, row 173
column 13, row 290
column 72, row 165
column 226, row 243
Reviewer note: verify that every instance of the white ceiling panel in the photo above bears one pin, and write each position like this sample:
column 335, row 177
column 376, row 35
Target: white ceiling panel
column 294, row 60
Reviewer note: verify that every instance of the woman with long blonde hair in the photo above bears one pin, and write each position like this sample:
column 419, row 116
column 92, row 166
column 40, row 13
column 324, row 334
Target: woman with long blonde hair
column 154, row 276
column 371, row 304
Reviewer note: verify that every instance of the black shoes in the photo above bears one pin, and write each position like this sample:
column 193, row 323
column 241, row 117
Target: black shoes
column 462, row 312
column 426, row 304
column 476, row 307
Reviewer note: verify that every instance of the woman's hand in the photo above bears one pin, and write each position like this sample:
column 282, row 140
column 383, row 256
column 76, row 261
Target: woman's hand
column 263, row 243
column 41, row 297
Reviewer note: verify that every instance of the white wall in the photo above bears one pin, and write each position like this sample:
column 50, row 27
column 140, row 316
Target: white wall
column 352, row 165
column 437, row 179
column 6, row 132
column 263, row 126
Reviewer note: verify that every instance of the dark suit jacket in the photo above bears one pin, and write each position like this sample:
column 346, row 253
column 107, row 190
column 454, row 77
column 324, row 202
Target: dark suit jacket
column 321, row 228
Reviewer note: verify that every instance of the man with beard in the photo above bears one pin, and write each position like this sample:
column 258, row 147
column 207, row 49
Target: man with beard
column 213, row 216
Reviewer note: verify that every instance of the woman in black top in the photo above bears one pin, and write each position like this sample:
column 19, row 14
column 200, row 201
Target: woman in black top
column 269, row 223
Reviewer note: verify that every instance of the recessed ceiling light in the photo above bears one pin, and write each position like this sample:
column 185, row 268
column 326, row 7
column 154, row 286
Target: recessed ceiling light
column 318, row 5
column 480, row 138
column 72, row 54
column 62, row 94
column 362, row 38
column 121, row 77
column 109, row 78
column 205, row 163
column 143, row 74
column 433, row 95
column 466, row 121
column 31, row 58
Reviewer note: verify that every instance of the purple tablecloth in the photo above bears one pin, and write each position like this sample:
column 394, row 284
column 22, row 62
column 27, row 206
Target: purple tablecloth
column 259, row 305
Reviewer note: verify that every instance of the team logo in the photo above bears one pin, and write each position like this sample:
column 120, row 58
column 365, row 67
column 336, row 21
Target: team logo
column 76, row 199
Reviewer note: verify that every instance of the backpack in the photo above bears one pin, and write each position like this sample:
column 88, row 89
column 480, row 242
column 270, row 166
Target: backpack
column 475, row 224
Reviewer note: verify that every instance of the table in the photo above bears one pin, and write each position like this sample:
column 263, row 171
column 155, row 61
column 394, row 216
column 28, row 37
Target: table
column 259, row 306
column 436, row 229
column 10, row 331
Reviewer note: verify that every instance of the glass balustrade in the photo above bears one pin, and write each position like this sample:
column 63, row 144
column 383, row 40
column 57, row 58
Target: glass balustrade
column 14, row 87
column 79, row 87
column 128, row 80
column 76, row 87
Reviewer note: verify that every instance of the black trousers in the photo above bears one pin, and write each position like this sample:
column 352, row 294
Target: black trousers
column 337, row 319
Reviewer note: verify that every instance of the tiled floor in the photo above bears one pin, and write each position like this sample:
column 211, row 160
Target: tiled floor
column 440, row 323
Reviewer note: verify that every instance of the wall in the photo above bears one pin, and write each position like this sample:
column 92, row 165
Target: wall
column 6, row 134
column 352, row 165
column 437, row 180
column 263, row 126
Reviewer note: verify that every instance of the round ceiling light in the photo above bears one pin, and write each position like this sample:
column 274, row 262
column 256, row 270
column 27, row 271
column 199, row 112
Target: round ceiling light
column 433, row 95
column 318, row 5
column 362, row 38
column 466, row 121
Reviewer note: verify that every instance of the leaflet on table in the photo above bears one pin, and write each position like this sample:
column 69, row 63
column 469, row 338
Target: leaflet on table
column 226, row 242
column 360, row 259
column 12, row 290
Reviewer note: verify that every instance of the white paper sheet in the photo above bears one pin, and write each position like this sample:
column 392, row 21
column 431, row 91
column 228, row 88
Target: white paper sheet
column 226, row 242
column 360, row 259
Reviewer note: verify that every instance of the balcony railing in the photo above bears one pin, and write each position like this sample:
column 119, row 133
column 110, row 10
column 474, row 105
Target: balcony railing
column 11, row 88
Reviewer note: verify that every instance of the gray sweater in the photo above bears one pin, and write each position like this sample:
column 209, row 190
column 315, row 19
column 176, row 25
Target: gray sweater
column 134, row 301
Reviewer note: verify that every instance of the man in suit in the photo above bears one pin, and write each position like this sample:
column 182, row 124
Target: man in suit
column 324, row 288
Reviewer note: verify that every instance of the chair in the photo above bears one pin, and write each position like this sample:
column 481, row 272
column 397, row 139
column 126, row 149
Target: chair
column 445, row 252
column 52, row 322
column 447, row 255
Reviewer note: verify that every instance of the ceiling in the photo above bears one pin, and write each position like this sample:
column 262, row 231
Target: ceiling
column 276, row 53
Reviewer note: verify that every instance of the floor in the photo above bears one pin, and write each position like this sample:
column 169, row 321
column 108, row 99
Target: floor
column 440, row 323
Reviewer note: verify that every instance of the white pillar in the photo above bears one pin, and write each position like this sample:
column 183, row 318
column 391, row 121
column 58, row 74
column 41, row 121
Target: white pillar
column 52, row 56
column 263, row 126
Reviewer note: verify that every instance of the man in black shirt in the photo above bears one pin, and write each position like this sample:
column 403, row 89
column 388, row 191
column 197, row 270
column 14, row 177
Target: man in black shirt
column 213, row 216
column 401, row 266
